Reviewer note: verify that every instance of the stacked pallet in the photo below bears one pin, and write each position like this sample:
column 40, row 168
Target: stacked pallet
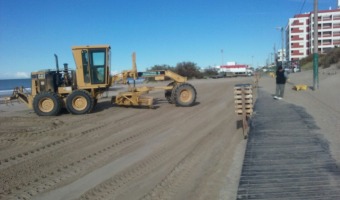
column 243, row 95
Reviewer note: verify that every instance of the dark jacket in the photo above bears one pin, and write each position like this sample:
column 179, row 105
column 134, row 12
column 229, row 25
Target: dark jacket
column 280, row 77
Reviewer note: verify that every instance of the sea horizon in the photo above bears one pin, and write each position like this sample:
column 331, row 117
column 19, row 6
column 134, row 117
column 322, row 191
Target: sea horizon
column 7, row 85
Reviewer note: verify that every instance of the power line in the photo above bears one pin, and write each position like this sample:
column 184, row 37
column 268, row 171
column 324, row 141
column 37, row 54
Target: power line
column 303, row 5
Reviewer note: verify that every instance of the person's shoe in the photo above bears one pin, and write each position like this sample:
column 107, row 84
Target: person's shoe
column 279, row 98
column 275, row 97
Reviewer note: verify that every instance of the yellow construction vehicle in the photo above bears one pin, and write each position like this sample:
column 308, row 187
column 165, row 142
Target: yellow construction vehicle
column 78, row 90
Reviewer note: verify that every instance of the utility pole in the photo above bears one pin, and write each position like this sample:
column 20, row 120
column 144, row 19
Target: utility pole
column 275, row 57
column 282, row 41
column 271, row 57
column 315, row 52
column 252, row 62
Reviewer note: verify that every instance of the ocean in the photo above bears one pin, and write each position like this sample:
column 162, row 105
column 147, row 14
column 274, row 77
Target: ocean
column 7, row 85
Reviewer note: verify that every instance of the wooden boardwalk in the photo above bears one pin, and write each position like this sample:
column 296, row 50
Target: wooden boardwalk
column 287, row 157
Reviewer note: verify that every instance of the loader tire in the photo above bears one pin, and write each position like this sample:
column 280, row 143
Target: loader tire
column 47, row 104
column 185, row 95
column 79, row 102
column 168, row 93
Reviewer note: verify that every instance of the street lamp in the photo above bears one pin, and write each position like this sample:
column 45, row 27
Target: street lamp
column 252, row 62
column 271, row 58
column 315, row 52
column 222, row 56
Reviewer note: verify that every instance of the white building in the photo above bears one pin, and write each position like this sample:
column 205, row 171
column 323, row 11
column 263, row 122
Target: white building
column 233, row 67
column 300, row 32
column 281, row 57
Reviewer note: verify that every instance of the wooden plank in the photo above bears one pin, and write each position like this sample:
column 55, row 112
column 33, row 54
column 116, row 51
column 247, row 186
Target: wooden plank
column 248, row 110
column 239, row 106
column 240, row 91
column 245, row 101
column 240, row 88
column 243, row 87
column 247, row 113
column 247, row 96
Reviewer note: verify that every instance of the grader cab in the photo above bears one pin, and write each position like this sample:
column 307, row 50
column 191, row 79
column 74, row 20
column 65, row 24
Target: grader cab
column 78, row 90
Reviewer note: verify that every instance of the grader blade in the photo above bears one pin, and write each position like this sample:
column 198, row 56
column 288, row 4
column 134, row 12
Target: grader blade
column 132, row 99
column 20, row 94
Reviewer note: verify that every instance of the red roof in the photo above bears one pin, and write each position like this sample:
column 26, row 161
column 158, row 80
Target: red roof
column 320, row 11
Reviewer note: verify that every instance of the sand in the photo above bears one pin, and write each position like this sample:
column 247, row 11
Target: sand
column 132, row 153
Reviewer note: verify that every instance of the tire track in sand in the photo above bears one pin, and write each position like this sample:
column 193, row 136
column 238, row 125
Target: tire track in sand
column 181, row 165
column 67, row 170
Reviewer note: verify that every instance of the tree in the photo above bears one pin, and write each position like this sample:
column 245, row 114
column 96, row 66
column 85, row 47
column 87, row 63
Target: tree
column 188, row 69
column 210, row 71
column 161, row 67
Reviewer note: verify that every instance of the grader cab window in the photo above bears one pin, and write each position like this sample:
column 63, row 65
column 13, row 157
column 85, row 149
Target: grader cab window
column 85, row 60
column 98, row 67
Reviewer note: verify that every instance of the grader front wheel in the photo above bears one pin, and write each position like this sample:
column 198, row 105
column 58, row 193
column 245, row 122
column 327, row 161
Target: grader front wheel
column 184, row 95
column 46, row 104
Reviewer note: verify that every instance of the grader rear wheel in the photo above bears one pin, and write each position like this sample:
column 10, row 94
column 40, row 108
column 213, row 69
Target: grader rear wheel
column 46, row 104
column 185, row 95
column 79, row 102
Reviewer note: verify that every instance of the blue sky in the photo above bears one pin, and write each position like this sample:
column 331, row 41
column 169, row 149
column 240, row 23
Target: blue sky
column 159, row 31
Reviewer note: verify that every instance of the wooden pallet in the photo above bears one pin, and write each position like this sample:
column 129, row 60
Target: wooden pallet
column 243, row 99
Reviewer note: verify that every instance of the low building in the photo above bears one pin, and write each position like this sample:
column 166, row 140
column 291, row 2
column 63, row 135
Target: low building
column 237, row 69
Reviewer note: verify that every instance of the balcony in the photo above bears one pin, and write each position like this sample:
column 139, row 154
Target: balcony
column 328, row 34
column 336, row 42
column 297, row 23
column 335, row 34
column 336, row 25
column 296, row 45
column 296, row 30
column 296, row 53
column 297, row 39
column 328, row 18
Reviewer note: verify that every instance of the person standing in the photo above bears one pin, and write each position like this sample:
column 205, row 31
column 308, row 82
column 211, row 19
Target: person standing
column 281, row 78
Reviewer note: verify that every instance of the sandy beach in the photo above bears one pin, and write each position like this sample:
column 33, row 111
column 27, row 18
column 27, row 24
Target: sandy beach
column 134, row 153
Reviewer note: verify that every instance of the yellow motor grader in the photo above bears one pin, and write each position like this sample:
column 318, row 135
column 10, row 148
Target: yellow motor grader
column 78, row 90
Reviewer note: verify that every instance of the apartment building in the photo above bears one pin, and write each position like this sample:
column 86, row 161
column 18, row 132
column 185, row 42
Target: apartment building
column 281, row 55
column 299, row 33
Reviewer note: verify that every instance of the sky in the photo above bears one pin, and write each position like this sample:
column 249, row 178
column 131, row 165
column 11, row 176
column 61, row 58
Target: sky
column 206, row 32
